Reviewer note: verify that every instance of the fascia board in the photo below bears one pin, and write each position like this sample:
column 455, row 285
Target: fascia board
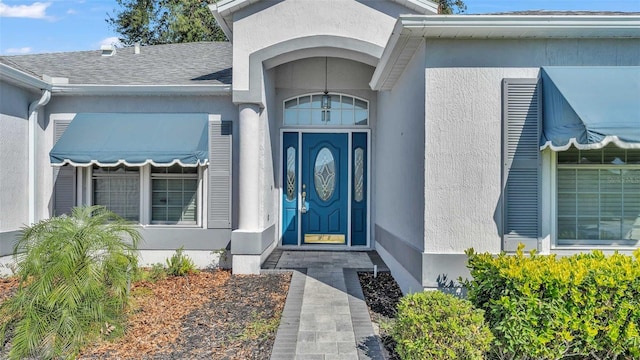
column 389, row 56
column 228, row 7
column 523, row 26
column 222, row 21
column 21, row 78
column 143, row 90
column 421, row 6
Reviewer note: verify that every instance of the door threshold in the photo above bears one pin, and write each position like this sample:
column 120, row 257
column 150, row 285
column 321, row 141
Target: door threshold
column 316, row 247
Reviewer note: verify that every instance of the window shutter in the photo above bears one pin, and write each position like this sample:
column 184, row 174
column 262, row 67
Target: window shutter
column 522, row 116
column 64, row 178
column 219, row 201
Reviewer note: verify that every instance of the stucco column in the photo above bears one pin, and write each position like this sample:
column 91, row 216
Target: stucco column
column 249, row 169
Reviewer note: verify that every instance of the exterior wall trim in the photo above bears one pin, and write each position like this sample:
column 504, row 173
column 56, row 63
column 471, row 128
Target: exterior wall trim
column 171, row 238
column 404, row 253
column 143, row 90
column 300, row 48
column 223, row 10
column 7, row 241
column 252, row 242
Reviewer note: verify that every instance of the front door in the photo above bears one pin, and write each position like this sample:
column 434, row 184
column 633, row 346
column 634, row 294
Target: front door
column 321, row 191
column 324, row 189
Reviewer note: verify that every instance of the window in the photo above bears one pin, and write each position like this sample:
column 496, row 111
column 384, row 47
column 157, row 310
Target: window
column 170, row 195
column 174, row 194
column 598, row 196
column 340, row 110
column 118, row 189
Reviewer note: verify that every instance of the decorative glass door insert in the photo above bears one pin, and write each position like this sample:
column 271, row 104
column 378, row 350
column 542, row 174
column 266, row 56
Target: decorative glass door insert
column 322, row 193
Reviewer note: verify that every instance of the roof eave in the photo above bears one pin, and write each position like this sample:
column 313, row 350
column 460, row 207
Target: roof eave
column 417, row 27
column 228, row 7
column 142, row 90
column 222, row 21
column 524, row 26
column 426, row 7
column 223, row 10
column 21, row 78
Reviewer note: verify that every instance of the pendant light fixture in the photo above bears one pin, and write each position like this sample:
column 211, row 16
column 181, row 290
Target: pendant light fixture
column 326, row 98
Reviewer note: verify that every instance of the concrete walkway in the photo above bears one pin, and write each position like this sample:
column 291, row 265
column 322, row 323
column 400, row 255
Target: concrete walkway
column 325, row 316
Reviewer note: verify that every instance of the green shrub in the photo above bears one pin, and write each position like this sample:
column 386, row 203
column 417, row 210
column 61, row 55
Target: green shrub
column 434, row 325
column 74, row 273
column 157, row 272
column 179, row 264
column 543, row 307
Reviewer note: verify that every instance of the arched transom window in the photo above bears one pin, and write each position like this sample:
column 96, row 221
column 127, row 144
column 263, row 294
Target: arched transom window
column 322, row 109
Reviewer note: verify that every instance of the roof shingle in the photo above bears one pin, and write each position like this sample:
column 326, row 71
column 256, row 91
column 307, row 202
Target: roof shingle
column 198, row 63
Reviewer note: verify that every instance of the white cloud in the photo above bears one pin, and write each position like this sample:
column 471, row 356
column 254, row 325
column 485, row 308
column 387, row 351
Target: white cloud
column 37, row 10
column 22, row 50
column 113, row 40
column 71, row 12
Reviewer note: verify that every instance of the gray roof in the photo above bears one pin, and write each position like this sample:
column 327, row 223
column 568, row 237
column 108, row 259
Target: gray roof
column 199, row 63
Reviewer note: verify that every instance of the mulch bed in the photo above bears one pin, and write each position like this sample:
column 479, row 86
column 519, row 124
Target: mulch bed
column 382, row 295
column 206, row 315
column 213, row 315
column 203, row 316
column 8, row 287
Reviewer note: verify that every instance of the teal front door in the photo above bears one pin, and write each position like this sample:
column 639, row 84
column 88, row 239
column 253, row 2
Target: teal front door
column 324, row 178
column 324, row 198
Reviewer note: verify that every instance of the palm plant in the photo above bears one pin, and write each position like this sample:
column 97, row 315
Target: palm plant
column 74, row 273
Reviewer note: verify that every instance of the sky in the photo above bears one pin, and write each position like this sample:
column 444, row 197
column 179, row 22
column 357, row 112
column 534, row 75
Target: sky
column 29, row 27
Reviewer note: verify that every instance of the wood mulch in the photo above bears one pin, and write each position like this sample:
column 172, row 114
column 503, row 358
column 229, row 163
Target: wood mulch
column 206, row 315
column 8, row 287
column 213, row 315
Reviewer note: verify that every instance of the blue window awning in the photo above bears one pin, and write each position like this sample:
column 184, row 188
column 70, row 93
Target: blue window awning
column 590, row 107
column 109, row 139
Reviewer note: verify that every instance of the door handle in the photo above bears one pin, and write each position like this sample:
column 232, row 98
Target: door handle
column 303, row 208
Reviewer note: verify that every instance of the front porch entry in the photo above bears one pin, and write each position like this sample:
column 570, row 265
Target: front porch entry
column 325, row 188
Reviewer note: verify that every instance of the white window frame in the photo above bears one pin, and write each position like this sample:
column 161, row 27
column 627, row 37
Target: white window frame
column 85, row 193
column 567, row 244
column 96, row 176
column 197, row 176
column 328, row 124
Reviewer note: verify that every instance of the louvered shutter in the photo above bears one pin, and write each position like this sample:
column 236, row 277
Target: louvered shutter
column 219, row 199
column 522, row 116
column 64, row 178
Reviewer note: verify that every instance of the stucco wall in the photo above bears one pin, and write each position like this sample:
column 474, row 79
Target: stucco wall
column 463, row 128
column 271, row 22
column 14, row 156
column 399, row 195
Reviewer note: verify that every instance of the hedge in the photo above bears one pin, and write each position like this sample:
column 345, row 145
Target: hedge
column 548, row 307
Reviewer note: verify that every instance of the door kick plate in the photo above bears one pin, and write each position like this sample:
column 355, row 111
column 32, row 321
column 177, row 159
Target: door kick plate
column 324, row 238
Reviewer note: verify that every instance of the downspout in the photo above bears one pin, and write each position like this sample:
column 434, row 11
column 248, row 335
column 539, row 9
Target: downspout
column 33, row 121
